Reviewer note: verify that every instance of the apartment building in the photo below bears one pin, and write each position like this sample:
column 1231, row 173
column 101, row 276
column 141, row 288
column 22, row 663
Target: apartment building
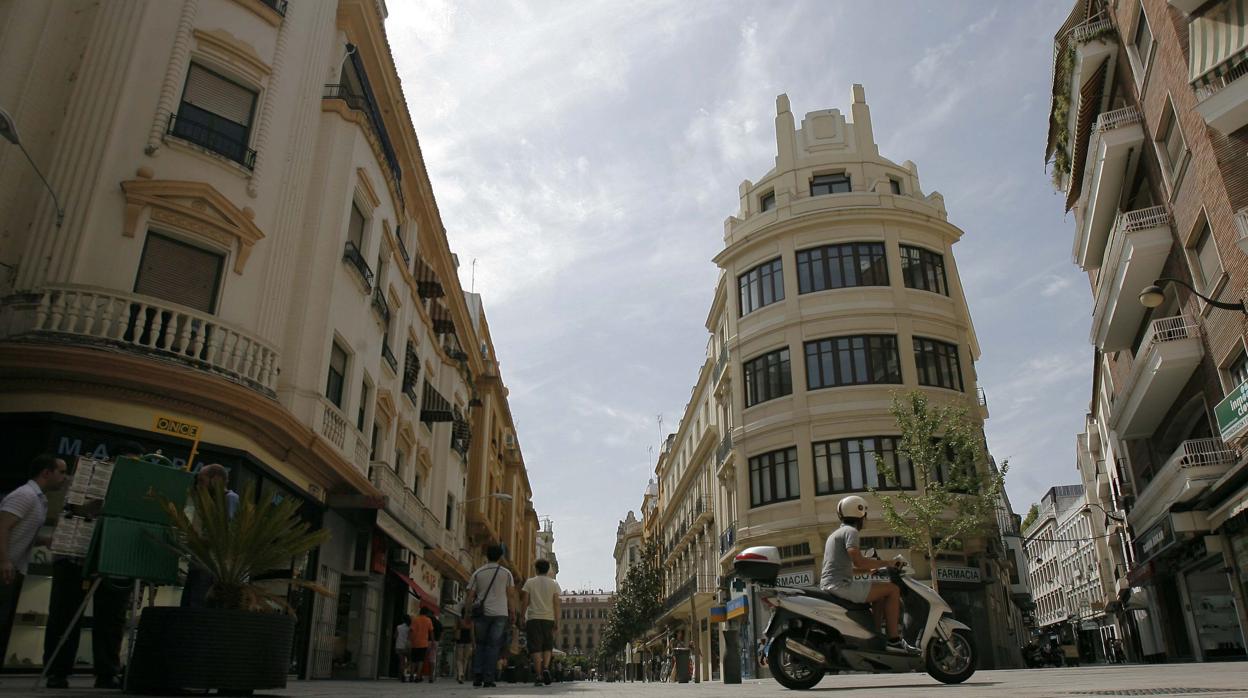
column 839, row 258
column 1146, row 139
column 582, row 620
column 628, row 547
column 243, row 242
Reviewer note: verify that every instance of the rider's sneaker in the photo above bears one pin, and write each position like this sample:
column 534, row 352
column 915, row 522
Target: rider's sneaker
column 900, row 645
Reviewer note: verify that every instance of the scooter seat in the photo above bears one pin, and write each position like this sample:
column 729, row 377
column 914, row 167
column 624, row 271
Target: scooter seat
column 848, row 605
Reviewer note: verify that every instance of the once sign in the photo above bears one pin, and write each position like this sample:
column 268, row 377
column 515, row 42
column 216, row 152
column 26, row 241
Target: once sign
column 958, row 574
column 1232, row 413
column 169, row 425
column 796, row 578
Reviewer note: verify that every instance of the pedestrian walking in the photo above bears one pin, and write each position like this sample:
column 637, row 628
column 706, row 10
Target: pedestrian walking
column 431, row 657
column 463, row 645
column 22, row 513
column 108, row 613
column 419, row 636
column 403, row 646
column 539, row 604
column 491, row 598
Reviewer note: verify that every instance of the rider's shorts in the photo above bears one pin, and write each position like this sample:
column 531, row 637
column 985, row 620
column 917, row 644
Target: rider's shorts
column 855, row 590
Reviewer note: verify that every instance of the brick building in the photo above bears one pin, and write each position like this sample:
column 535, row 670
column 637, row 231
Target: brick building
column 1146, row 139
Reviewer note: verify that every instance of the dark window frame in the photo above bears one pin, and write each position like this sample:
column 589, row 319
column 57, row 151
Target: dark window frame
column 767, row 202
column 836, row 362
column 336, row 395
column 852, row 462
column 924, row 270
column 935, row 360
column 768, row 376
column 214, row 132
column 759, row 283
column 829, row 267
column 894, row 185
column 763, row 472
column 831, row 183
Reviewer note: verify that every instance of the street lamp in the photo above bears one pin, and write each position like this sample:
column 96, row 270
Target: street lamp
column 1152, row 296
column 8, row 130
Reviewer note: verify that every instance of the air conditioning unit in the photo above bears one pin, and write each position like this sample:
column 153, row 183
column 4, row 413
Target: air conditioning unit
column 401, row 556
column 452, row 592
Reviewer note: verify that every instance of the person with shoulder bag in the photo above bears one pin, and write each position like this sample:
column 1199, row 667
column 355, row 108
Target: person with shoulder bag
column 491, row 598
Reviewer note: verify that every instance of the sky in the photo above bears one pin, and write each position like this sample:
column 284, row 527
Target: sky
column 586, row 155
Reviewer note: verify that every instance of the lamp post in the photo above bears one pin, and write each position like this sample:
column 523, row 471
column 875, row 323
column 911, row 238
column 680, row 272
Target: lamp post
column 8, row 129
column 1153, row 296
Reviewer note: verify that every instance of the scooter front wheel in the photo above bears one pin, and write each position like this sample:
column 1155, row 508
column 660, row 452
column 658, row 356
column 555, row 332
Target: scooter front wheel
column 791, row 670
column 953, row 661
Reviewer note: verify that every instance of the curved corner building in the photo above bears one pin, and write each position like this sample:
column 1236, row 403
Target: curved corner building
column 838, row 288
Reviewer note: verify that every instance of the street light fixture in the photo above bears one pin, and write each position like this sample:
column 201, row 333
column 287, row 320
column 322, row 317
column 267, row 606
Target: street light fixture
column 8, row 130
column 1153, row 296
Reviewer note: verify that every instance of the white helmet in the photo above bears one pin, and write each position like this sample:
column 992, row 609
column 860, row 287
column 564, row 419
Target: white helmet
column 852, row 507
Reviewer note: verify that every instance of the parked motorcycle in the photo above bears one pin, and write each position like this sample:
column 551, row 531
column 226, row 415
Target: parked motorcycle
column 812, row 632
column 1036, row 655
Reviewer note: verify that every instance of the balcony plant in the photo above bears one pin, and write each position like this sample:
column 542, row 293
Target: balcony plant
column 241, row 639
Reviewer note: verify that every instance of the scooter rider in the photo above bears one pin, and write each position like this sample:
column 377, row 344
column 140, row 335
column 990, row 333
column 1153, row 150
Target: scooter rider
column 842, row 558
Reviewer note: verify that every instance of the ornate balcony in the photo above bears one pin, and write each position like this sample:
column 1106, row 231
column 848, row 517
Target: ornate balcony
column 352, row 255
column 334, row 428
column 381, row 306
column 1138, row 247
column 156, row 328
column 1169, row 353
column 1187, row 473
column 389, row 357
column 1113, row 152
column 404, row 505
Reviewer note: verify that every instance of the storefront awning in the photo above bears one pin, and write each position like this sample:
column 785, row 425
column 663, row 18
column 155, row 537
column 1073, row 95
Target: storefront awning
column 427, row 600
column 1217, row 40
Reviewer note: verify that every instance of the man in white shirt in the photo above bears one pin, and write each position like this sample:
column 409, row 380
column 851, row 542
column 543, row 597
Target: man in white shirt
column 539, row 602
column 402, row 645
column 491, row 604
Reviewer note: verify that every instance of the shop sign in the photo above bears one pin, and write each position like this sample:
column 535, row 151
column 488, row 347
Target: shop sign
column 1153, row 540
column 737, row 607
column 169, row 425
column 968, row 575
column 797, row 578
column 424, row 573
column 1232, row 413
column 719, row 614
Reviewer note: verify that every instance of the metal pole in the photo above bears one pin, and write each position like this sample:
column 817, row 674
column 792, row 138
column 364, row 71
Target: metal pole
column 73, row 628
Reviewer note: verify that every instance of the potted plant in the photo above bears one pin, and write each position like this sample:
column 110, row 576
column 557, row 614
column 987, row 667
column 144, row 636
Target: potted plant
column 241, row 640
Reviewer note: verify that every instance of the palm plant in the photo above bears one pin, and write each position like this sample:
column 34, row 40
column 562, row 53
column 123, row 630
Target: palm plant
column 263, row 535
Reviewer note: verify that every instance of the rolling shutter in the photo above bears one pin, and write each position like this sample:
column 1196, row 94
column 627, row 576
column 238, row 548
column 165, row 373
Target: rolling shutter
column 179, row 273
column 215, row 94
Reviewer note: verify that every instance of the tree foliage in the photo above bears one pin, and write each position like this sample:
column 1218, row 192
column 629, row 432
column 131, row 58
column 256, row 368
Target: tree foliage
column 1032, row 514
column 637, row 602
column 956, row 494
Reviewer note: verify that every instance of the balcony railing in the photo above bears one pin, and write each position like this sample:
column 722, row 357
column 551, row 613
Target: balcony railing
column 1183, row 478
column 1215, row 83
column 1117, row 118
column 351, row 254
column 1170, row 329
column 1143, row 219
column 193, row 127
column 721, row 362
column 724, row 449
column 361, row 103
column 391, row 360
column 335, row 428
column 1092, row 30
column 696, row 584
column 150, row 326
column 727, row 538
column 381, row 305
column 403, row 504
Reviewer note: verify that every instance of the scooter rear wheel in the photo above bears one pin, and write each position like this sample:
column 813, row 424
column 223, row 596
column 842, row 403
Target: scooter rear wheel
column 953, row 662
column 789, row 669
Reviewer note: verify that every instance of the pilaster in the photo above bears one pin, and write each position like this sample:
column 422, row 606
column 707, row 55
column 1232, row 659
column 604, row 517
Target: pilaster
column 175, row 75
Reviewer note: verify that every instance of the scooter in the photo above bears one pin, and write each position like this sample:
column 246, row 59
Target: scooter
column 812, row 632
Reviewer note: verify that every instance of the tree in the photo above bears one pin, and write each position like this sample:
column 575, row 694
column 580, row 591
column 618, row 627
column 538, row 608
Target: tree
column 637, row 602
column 955, row 494
column 1032, row 514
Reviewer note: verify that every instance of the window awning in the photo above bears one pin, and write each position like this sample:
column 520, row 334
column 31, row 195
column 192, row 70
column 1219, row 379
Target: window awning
column 1217, row 40
column 427, row 600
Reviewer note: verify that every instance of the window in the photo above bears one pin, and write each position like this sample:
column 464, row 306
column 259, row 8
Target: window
column 924, row 270
column 760, row 286
column 215, row 114
column 399, row 459
column 1238, row 370
column 839, row 266
column 1172, row 148
column 374, row 440
column 853, row 465
column 938, row 363
column 773, row 477
column 1206, row 267
column 767, row 377
column 416, row 484
column 857, row 360
column 830, row 184
column 355, row 227
column 180, row 273
column 337, row 374
column 894, row 185
column 1143, row 41
column 450, row 512
column 767, row 201
column 359, row 417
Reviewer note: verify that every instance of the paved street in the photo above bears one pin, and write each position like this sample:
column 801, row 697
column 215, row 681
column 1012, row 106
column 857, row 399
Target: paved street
column 1175, row 679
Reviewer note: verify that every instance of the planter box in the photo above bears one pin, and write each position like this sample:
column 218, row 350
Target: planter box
column 205, row 648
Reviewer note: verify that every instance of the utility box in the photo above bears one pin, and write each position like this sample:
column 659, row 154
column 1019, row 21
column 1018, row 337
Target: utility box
column 682, row 665
column 132, row 549
column 136, row 486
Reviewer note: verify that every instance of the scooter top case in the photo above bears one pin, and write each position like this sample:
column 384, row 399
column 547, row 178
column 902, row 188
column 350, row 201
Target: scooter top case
column 758, row 564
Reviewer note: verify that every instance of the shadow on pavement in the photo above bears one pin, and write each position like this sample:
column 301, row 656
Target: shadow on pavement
column 892, row 687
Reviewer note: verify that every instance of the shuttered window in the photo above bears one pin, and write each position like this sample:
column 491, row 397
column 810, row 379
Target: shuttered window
column 337, row 375
column 213, row 93
column 180, row 273
column 355, row 227
column 216, row 114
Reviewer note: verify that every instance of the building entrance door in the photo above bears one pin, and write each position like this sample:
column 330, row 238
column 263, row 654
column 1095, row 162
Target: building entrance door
column 1214, row 616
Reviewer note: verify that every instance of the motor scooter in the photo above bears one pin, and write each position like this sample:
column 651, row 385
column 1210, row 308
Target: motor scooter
column 812, row 632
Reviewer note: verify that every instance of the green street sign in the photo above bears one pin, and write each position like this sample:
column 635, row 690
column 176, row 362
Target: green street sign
column 1232, row 413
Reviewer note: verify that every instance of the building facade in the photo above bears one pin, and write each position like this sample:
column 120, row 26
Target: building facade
column 1146, row 141
column 628, row 547
column 838, row 287
column 244, row 239
column 582, row 620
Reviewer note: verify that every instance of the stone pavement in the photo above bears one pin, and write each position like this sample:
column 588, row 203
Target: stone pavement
column 1224, row 680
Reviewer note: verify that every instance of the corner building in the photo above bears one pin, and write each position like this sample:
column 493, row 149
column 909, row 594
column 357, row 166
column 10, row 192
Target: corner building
column 250, row 244
column 838, row 287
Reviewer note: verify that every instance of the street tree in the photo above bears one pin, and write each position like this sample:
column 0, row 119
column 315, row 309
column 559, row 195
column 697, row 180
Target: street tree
column 637, row 602
column 956, row 494
column 1032, row 514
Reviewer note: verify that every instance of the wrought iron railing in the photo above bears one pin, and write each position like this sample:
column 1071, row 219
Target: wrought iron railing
column 204, row 134
column 727, row 538
column 389, row 356
column 352, row 255
column 381, row 305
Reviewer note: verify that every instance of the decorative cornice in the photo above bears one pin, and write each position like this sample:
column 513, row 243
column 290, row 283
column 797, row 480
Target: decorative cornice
column 238, row 54
column 194, row 207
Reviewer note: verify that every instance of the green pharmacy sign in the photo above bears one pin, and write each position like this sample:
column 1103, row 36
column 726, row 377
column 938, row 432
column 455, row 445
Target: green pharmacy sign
column 1232, row 413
